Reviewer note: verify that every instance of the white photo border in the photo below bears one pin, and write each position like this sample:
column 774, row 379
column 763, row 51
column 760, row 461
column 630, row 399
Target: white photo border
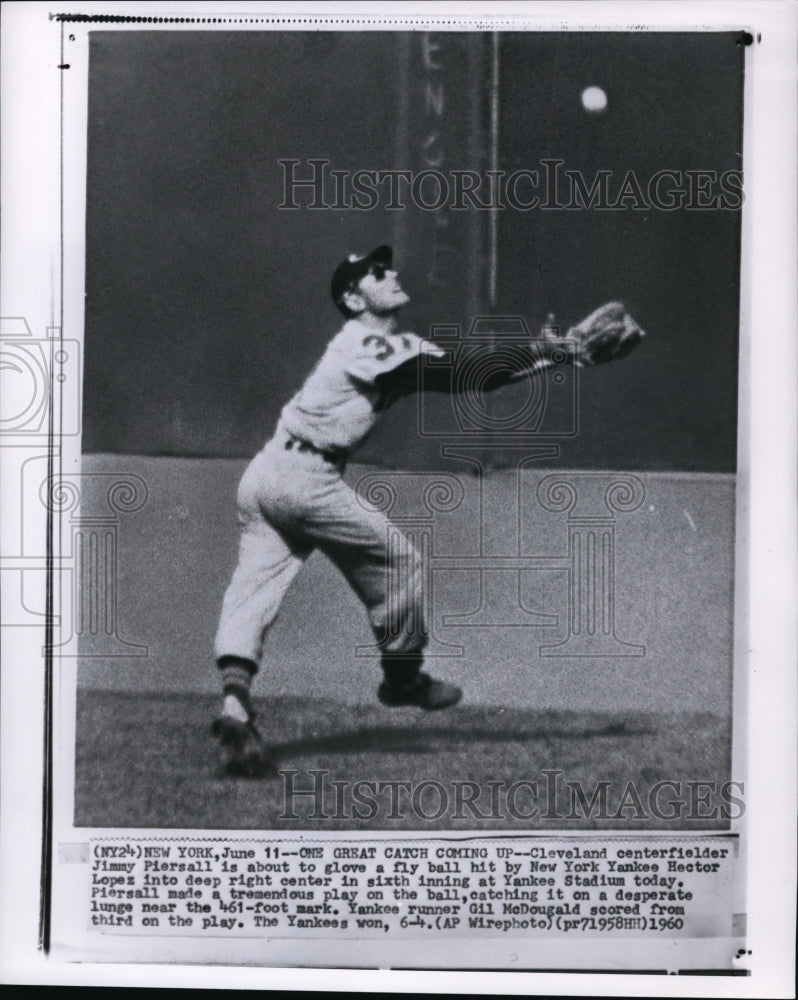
column 34, row 255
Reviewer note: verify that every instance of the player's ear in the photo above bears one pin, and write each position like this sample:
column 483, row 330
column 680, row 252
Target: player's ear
column 353, row 301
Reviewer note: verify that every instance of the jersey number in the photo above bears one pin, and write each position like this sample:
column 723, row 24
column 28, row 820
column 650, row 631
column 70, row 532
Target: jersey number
column 385, row 349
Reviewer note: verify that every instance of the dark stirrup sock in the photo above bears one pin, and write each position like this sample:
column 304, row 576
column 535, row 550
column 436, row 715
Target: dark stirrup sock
column 401, row 669
column 237, row 674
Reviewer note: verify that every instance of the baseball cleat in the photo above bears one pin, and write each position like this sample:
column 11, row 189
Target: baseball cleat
column 423, row 691
column 242, row 752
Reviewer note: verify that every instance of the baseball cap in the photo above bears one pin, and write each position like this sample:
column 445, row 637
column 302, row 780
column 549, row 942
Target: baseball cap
column 351, row 270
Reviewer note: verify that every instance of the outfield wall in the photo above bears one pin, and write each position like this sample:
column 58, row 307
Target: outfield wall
column 674, row 571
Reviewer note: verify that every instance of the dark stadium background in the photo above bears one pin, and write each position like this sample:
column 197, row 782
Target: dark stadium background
column 206, row 304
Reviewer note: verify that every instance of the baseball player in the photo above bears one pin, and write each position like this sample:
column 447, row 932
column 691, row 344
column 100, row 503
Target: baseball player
column 292, row 499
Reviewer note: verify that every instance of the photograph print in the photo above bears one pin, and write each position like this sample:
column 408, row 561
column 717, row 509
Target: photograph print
column 409, row 431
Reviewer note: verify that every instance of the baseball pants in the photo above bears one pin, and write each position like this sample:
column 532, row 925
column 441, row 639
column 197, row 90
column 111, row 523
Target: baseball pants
column 291, row 502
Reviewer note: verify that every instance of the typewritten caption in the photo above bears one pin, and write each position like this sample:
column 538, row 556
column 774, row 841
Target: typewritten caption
column 535, row 886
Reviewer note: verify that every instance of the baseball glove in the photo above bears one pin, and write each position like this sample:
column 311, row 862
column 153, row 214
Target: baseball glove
column 605, row 335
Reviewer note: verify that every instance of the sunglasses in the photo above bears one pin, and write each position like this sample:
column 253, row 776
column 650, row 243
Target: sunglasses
column 378, row 270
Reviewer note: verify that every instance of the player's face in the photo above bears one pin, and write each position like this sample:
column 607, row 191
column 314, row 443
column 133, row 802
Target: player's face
column 381, row 291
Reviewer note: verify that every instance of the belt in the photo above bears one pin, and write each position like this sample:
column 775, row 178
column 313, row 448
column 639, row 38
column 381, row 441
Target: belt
column 336, row 457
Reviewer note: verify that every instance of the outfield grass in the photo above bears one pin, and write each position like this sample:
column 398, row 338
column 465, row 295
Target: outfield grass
column 149, row 761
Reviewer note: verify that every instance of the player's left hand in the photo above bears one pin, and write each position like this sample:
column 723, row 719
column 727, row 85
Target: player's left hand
column 605, row 335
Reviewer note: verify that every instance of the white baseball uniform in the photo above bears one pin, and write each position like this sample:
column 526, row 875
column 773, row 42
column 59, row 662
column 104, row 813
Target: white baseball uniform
column 292, row 499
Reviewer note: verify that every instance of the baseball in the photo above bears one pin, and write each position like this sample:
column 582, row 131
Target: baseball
column 594, row 99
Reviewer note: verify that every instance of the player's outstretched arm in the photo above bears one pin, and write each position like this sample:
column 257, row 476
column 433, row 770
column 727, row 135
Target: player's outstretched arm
column 493, row 366
column 607, row 334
